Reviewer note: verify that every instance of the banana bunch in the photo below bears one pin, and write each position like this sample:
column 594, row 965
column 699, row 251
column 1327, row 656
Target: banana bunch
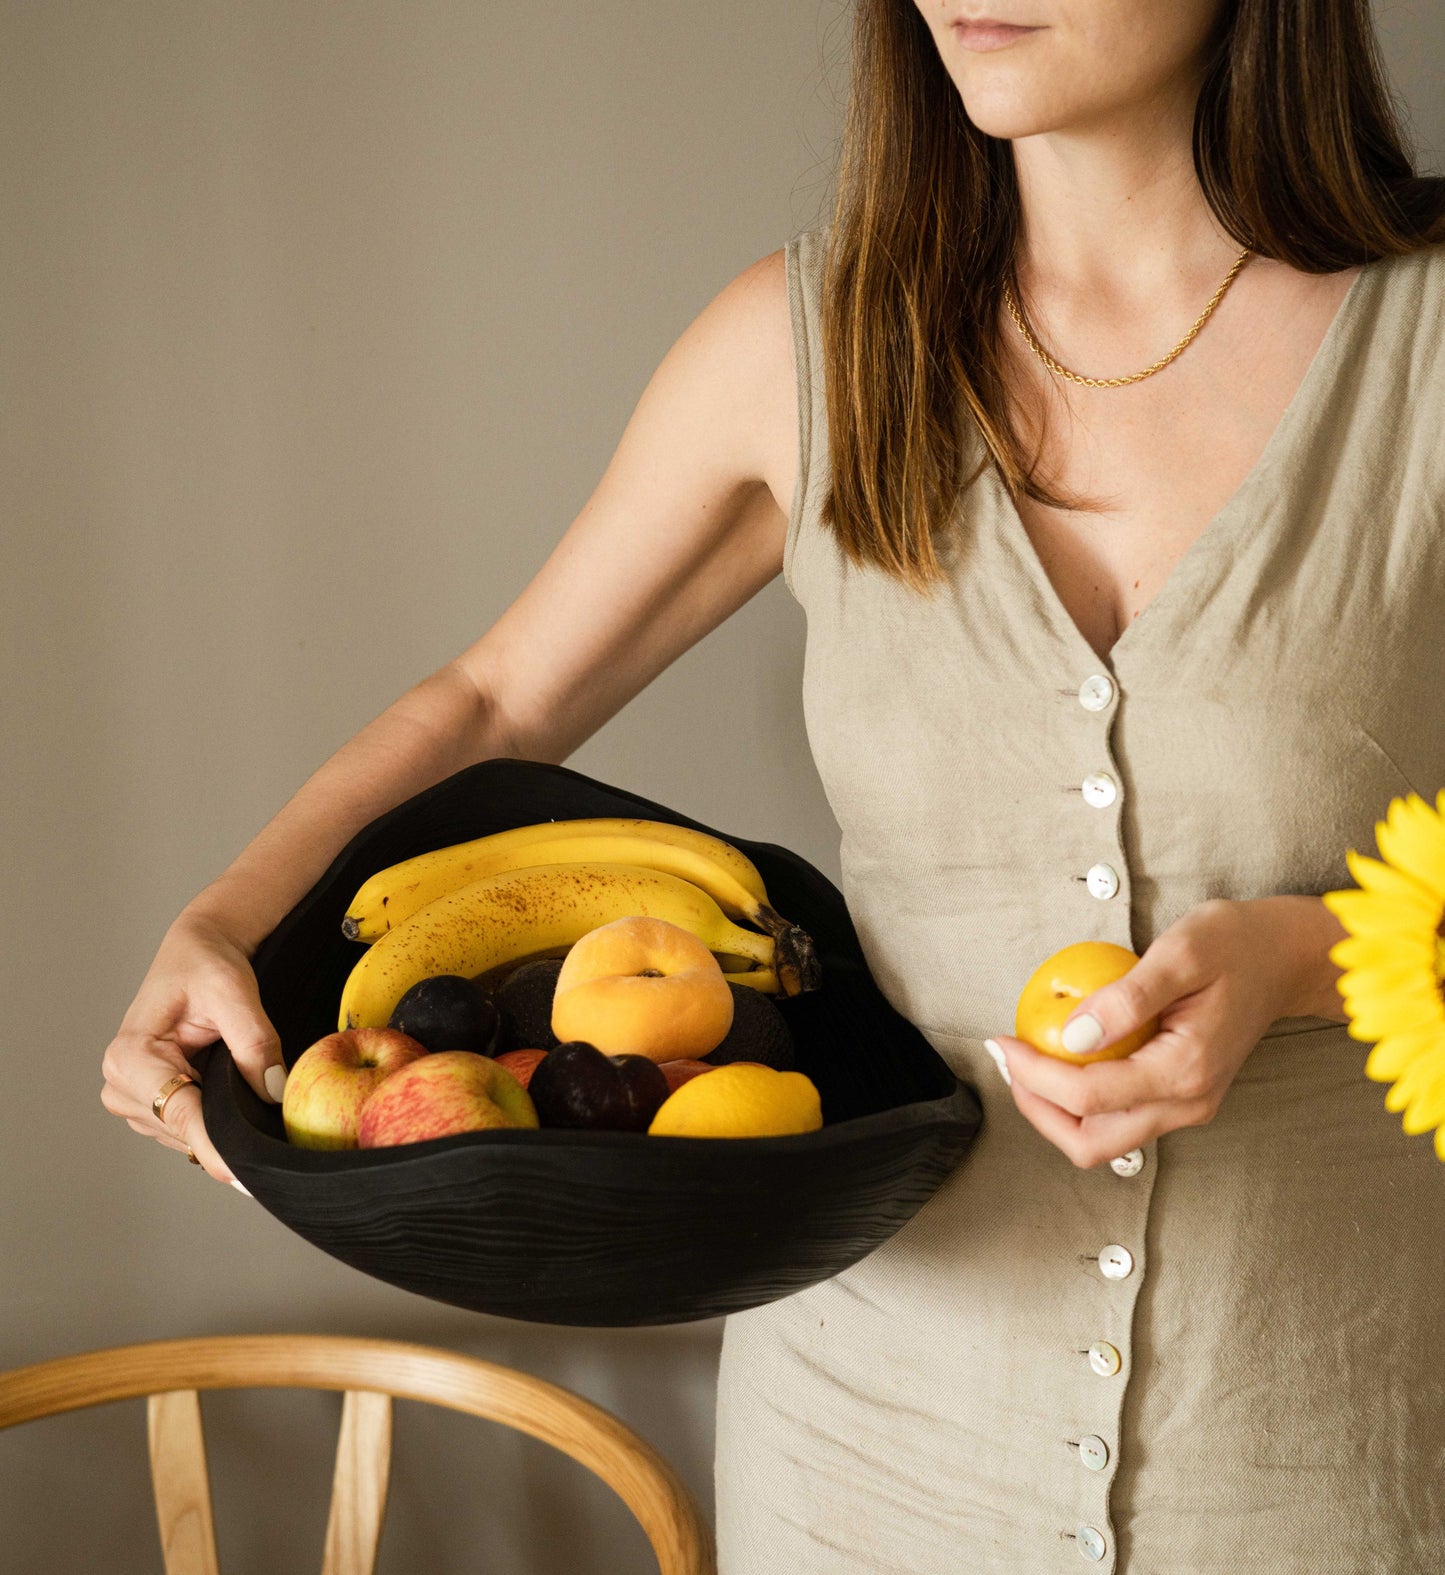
column 478, row 906
column 729, row 877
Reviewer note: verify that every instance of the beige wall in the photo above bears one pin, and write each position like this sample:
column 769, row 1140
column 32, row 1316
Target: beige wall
column 317, row 325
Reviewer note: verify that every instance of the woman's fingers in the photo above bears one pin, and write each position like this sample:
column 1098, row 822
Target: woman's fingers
column 136, row 1068
column 148, row 1129
column 183, row 1122
column 1169, row 971
column 1095, row 1140
column 254, row 1044
column 1170, row 1067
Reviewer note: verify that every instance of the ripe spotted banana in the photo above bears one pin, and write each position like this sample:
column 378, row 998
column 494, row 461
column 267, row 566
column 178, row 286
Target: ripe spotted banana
column 520, row 913
column 723, row 871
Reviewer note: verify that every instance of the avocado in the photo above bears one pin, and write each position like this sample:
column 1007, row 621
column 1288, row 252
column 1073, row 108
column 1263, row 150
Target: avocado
column 524, row 999
column 759, row 1033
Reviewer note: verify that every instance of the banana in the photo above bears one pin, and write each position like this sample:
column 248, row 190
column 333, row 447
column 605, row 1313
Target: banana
column 723, row 871
column 519, row 913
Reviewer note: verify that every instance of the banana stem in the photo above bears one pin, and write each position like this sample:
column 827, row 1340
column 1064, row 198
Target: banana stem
column 796, row 961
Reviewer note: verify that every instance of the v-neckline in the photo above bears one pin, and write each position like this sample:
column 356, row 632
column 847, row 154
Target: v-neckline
column 1286, row 430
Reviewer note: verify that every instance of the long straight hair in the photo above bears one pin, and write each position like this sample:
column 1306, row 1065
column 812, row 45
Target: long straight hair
column 1298, row 150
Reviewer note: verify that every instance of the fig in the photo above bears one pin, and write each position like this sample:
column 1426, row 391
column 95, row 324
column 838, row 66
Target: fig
column 448, row 1012
column 759, row 1033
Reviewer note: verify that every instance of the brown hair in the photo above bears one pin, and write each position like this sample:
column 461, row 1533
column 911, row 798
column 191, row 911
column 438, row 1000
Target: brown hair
column 1299, row 152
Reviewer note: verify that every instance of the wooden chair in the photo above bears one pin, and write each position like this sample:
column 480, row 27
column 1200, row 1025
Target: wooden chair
column 171, row 1372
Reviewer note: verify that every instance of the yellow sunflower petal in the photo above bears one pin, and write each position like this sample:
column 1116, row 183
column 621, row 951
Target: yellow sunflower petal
column 1371, row 951
column 1412, row 1082
column 1395, row 1052
column 1397, row 974
column 1374, row 876
column 1427, row 1109
column 1394, row 1014
column 1371, row 913
column 1412, row 838
column 1440, row 1144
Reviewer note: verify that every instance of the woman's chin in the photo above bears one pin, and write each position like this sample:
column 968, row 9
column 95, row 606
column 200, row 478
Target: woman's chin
column 1009, row 116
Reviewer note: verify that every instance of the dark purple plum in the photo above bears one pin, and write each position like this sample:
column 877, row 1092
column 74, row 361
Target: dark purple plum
column 643, row 1089
column 448, row 1012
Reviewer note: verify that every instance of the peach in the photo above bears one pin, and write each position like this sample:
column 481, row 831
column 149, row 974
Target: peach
column 642, row 986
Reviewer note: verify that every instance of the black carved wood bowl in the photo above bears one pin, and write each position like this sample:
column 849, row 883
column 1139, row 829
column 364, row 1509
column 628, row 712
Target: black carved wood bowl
column 609, row 1228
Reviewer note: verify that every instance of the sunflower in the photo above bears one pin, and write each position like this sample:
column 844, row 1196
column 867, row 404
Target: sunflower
column 1394, row 960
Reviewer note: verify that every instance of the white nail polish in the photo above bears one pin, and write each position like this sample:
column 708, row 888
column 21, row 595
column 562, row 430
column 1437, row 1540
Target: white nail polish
column 996, row 1051
column 239, row 1188
column 1082, row 1034
column 275, row 1081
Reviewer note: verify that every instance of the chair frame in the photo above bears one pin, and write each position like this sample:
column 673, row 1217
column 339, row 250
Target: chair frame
column 370, row 1373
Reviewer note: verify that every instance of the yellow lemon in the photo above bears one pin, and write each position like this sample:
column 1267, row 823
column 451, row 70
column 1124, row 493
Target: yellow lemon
column 1057, row 986
column 742, row 1099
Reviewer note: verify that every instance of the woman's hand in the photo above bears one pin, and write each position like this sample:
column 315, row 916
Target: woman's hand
column 1216, row 979
column 199, row 988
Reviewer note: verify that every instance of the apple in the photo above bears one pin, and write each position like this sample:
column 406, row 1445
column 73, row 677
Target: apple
column 679, row 1072
column 331, row 1080
column 444, row 1093
column 521, row 1063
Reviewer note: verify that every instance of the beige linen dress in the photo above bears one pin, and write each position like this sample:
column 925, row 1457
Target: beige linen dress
column 1224, row 1353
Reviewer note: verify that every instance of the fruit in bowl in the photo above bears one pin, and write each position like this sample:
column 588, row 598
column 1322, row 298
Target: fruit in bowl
column 759, row 1032
column 578, row 1086
column 642, row 986
column 331, row 1081
column 521, row 1063
column 524, row 1002
column 478, row 907
column 448, row 1012
column 743, row 1099
column 445, row 1093
column 679, row 1072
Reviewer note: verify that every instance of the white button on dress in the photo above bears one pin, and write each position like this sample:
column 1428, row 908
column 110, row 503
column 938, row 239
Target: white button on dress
column 1091, row 1543
column 1116, row 1262
column 1104, row 1358
column 1103, row 881
column 1094, row 1452
column 1100, row 789
column 1129, row 1164
column 1096, row 692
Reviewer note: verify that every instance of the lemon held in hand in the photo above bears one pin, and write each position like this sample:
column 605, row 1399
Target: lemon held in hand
column 1058, row 985
column 742, row 1099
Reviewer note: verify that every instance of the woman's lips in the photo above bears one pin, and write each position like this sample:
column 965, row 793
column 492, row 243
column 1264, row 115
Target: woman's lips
column 984, row 34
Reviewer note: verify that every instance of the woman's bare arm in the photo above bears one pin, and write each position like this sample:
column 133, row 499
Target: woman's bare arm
column 685, row 525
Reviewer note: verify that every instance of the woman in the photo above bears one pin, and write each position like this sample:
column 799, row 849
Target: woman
column 1131, row 652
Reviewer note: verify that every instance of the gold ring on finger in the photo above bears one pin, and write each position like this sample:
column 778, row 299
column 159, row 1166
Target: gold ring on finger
column 164, row 1092
column 191, row 1155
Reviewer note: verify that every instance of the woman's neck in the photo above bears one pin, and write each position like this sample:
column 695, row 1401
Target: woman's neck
column 1114, row 222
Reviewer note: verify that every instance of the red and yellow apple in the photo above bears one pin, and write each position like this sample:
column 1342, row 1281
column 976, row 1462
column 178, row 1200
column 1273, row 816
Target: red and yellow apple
column 332, row 1079
column 447, row 1092
column 679, row 1072
column 521, row 1063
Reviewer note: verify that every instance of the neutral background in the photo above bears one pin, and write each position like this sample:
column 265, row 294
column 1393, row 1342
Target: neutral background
column 318, row 324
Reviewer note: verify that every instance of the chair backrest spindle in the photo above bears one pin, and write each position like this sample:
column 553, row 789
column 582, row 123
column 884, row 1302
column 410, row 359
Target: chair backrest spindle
column 181, row 1482
column 358, row 1488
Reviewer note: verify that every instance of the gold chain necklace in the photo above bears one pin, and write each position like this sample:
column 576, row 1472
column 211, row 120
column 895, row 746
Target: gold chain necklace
column 1118, row 382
